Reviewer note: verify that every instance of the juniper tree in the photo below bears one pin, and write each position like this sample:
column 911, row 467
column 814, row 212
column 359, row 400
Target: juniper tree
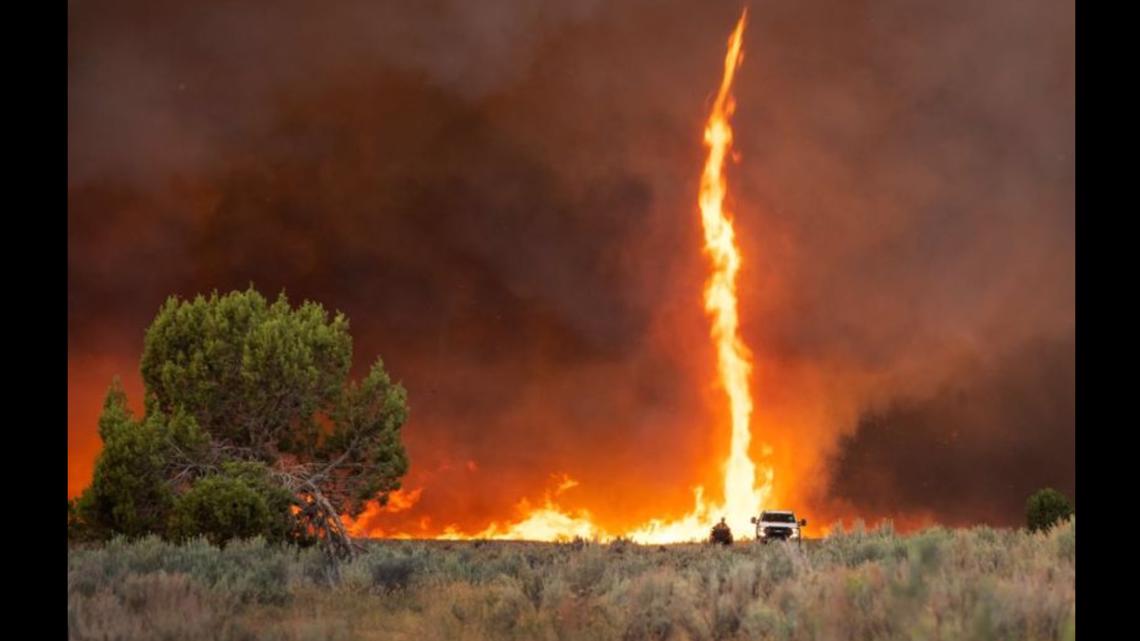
column 235, row 378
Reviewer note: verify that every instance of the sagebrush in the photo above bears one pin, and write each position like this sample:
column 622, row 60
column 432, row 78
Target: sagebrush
column 978, row 583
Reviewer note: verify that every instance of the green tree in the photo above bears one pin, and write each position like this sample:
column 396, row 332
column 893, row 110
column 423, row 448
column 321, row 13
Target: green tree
column 75, row 527
column 130, row 492
column 235, row 378
column 1045, row 508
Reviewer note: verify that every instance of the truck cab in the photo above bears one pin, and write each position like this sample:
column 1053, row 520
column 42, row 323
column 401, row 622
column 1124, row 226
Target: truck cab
column 778, row 525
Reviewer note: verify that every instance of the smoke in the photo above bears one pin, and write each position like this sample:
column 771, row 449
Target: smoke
column 975, row 449
column 503, row 201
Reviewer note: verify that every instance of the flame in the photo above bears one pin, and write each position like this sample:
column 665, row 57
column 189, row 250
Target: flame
column 742, row 497
column 398, row 501
column 547, row 523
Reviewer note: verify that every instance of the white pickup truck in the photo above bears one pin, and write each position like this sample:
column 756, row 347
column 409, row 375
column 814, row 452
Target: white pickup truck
column 778, row 525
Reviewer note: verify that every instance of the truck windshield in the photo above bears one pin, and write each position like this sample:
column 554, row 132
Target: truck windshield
column 773, row 517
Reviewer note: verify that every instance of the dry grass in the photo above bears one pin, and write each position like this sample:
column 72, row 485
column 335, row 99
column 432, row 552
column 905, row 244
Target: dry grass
column 938, row 584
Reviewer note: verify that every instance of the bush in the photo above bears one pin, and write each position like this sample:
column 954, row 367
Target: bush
column 249, row 571
column 394, row 573
column 238, row 503
column 981, row 583
column 585, row 572
column 1046, row 508
column 77, row 530
column 151, row 606
column 129, row 494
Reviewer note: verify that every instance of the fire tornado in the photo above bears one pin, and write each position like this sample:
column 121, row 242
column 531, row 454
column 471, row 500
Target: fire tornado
column 741, row 496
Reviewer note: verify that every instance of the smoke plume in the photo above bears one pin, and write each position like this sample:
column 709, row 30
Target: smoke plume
column 503, row 202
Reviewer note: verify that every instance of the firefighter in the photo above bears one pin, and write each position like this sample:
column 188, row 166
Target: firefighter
column 721, row 533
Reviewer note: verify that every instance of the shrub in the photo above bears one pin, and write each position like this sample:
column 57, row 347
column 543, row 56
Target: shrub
column 1065, row 540
column 77, row 529
column 980, row 583
column 586, row 571
column 393, row 573
column 661, row 606
column 1046, row 508
column 240, row 502
column 129, row 493
column 255, row 572
column 152, row 606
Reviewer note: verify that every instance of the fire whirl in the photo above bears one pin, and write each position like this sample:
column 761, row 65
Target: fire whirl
column 742, row 497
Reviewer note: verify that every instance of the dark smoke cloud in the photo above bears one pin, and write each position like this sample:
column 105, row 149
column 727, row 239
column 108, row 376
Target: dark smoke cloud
column 501, row 196
column 990, row 436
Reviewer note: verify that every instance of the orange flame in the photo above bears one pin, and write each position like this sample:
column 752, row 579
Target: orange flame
column 398, row 501
column 742, row 497
column 546, row 523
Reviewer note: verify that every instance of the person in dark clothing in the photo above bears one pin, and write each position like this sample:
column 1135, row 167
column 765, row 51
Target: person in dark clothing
column 721, row 533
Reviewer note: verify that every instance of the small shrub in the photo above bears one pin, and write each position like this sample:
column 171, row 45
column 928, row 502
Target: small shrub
column 777, row 565
column 315, row 566
column 1065, row 540
column 952, row 584
column 393, row 573
column 1046, row 508
column 172, row 607
column 506, row 606
column 662, row 608
column 254, row 571
column 585, row 572
column 726, row 618
column 761, row 621
column 621, row 545
column 240, row 502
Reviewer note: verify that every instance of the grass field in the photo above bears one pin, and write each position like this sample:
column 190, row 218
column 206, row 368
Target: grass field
column 943, row 584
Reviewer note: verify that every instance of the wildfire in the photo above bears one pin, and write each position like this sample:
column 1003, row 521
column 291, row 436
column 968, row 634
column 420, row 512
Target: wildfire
column 398, row 501
column 742, row 496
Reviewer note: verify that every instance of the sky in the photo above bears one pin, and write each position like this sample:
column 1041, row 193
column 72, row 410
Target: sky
column 501, row 197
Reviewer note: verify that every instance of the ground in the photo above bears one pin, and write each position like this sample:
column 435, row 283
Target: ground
column 978, row 583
